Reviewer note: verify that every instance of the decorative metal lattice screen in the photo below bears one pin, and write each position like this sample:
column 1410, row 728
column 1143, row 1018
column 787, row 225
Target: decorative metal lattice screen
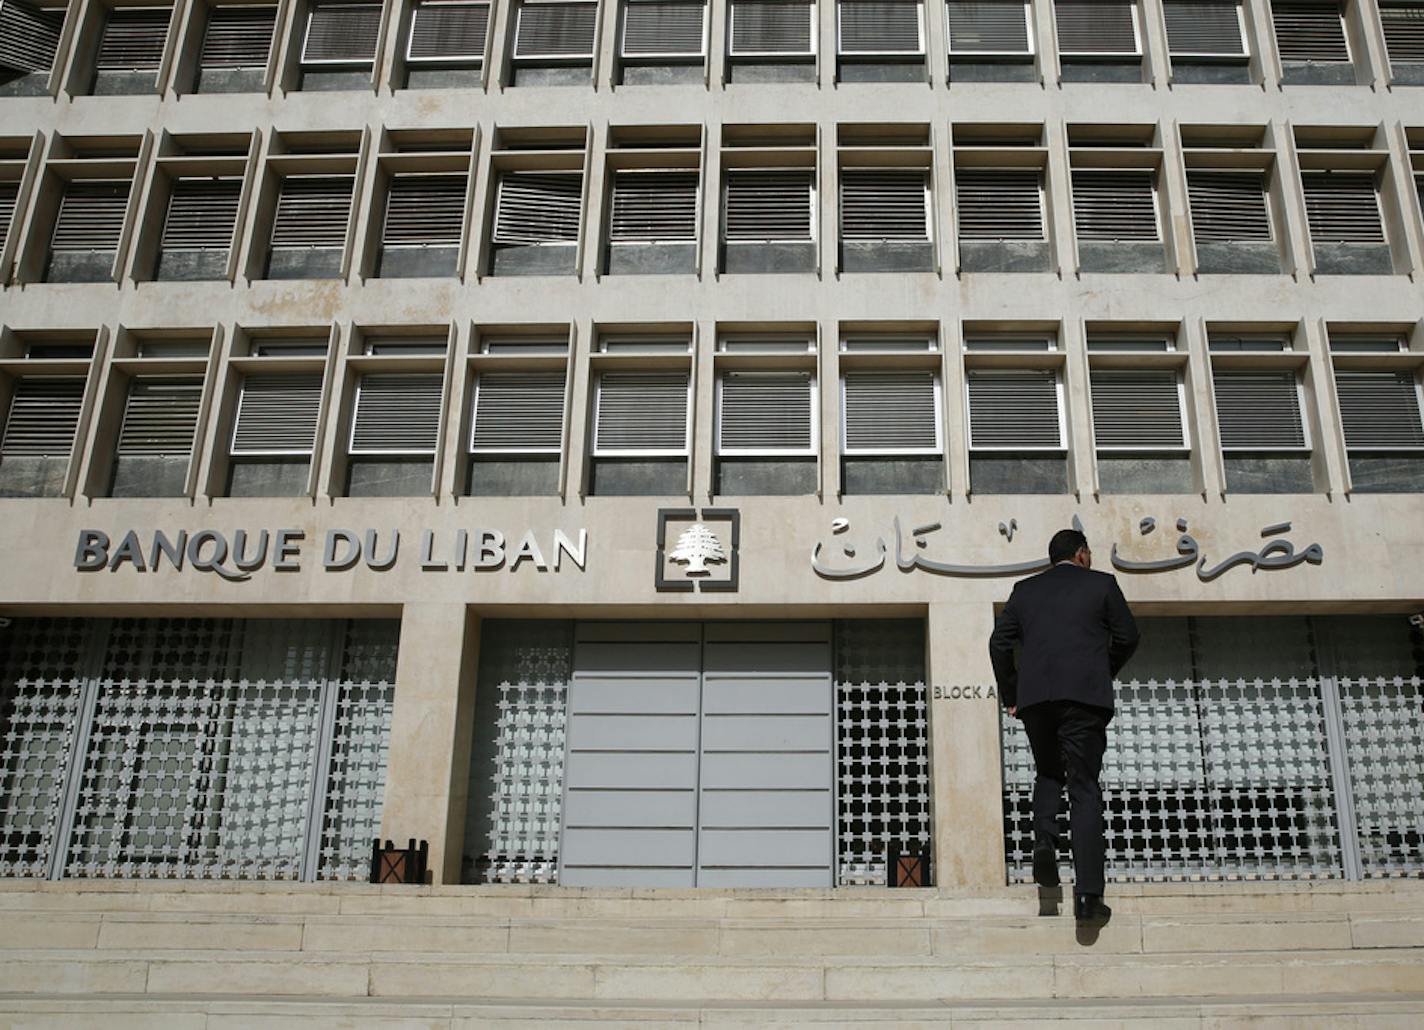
column 883, row 742
column 517, row 754
column 1229, row 750
column 193, row 748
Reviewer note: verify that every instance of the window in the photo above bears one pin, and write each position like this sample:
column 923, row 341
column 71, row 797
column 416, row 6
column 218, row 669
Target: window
column 39, row 433
column 1403, row 25
column 642, row 414
column 663, row 29
column 237, row 43
column 1309, row 31
column 766, row 413
column 341, row 34
column 9, row 199
column 131, row 49
column 423, row 226
column 518, row 413
column 29, row 38
column 1384, row 428
column 990, row 28
column 448, row 32
column 1211, row 29
column 309, row 229
column 1139, row 429
column 555, row 30
column 1229, row 207
column 770, row 206
column 890, row 412
column 199, row 225
column 1000, row 203
column 1115, row 205
column 772, row 28
column 1017, row 439
column 395, row 431
column 155, row 444
column 1263, row 440
column 1097, row 28
column 1342, row 207
column 880, row 28
column 274, row 434
column 888, row 204
column 651, row 207
column 536, row 220
column 87, row 231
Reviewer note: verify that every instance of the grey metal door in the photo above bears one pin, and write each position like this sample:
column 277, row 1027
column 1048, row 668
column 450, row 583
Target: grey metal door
column 700, row 755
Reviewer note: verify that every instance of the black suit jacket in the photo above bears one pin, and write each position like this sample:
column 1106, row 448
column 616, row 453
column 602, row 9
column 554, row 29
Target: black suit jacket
column 1076, row 632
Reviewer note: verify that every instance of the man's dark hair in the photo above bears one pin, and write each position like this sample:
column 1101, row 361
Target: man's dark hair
column 1065, row 544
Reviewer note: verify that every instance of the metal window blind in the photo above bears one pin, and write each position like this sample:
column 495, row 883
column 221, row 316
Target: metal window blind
column 771, row 27
column 277, row 414
column 988, row 27
column 765, row 413
column 518, row 412
column 1136, row 409
column 160, row 417
column 885, row 204
column 999, row 203
column 397, row 413
column 538, row 207
column 642, row 412
column 1309, row 31
column 654, row 207
column 1014, row 409
column 448, row 32
column 890, row 412
column 132, row 40
column 1404, row 32
column 313, row 211
column 556, row 29
column 1096, row 27
column 1342, row 208
column 657, row 28
column 1258, row 409
column 880, row 27
column 425, row 209
column 44, row 416
column 1380, row 410
column 1204, row 28
column 1228, row 206
column 29, row 36
column 1115, row 205
column 91, row 216
column 342, row 34
column 238, row 37
column 764, row 206
column 201, row 214
column 9, row 197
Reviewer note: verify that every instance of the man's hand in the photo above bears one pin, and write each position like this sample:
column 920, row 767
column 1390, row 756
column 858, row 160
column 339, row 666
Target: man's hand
column 1014, row 711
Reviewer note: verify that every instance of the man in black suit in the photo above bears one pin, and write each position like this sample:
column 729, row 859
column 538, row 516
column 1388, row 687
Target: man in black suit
column 1075, row 632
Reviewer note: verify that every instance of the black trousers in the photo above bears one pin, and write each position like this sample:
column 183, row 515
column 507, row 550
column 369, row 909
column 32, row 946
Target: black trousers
column 1068, row 740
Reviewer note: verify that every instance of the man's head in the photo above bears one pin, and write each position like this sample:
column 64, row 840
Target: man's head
column 1072, row 546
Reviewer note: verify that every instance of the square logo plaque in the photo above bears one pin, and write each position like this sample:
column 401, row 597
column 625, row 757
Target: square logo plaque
column 698, row 551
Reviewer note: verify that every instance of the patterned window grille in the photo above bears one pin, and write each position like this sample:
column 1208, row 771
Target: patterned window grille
column 538, row 208
column 425, row 211
column 202, row 214
column 29, row 36
column 889, row 204
column 556, row 30
column 769, row 206
column 1310, row 31
column 664, row 29
column 990, row 28
column 890, row 412
column 43, row 418
column 1097, row 28
column 999, row 203
column 654, row 207
column 1403, row 25
column 341, row 34
column 766, row 413
column 238, row 37
column 1229, row 206
column 880, row 28
column 1225, row 758
column 91, row 216
column 1342, row 207
column 518, row 413
column 133, row 40
column 772, row 28
column 193, row 748
column 1115, row 205
column 1380, row 410
column 448, row 33
column 1205, row 29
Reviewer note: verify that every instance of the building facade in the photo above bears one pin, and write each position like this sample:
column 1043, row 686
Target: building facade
column 593, row 437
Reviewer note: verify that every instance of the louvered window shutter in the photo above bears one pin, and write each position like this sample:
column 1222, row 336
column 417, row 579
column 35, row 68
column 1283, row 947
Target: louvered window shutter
column 1404, row 32
column 1120, row 204
column 342, row 34
column 91, row 216
column 880, row 27
column 1258, row 410
column 654, row 207
column 201, row 214
column 1229, row 206
column 1204, row 28
column 1309, row 31
column 1136, row 409
column 313, row 211
column 425, row 209
column 664, row 28
column 29, row 36
column 1342, row 208
column 642, row 413
column 397, row 414
column 238, row 37
column 448, row 33
column 1014, row 409
column 766, row 413
column 999, row 203
column 160, row 417
column 1107, row 27
column 555, row 29
column 989, row 27
column 538, row 207
column 770, row 28
column 885, row 204
column 769, row 206
column 890, row 412
column 133, row 40
column 518, row 412
column 1380, row 410
column 9, row 197
column 44, row 417
column 277, row 415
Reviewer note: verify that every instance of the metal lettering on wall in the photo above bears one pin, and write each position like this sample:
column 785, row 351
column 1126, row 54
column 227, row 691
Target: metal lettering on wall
column 1277, row 554
column 210, row 550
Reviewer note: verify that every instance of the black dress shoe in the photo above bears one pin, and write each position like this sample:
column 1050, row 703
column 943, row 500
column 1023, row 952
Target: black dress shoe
column 1045, row 865
column 1089, row 908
